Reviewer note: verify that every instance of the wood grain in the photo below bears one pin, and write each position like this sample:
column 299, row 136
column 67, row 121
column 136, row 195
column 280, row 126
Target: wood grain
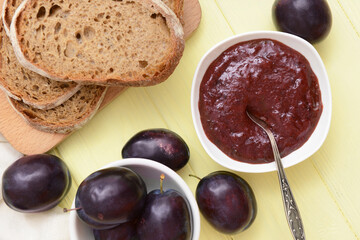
column 26, row 139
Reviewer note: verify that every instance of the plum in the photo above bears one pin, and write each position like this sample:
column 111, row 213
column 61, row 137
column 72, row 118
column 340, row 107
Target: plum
column 309, row 19
column 125, row 231
column 160, row 145
column 226, row 201
column 166, row 216
column 35, row 183
column 86, row 219
column 111, row 196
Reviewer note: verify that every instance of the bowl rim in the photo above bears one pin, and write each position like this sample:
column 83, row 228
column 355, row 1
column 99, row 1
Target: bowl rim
column 142, row 162
column 295, row 42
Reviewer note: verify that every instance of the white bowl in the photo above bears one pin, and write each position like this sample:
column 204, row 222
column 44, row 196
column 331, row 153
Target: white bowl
column 316, row 139
column 150, row 171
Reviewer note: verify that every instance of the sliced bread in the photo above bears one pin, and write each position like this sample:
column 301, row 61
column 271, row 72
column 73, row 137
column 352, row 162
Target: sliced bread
column 27, row 86
column 67, row 117
column 9, row 7
column 113, row 42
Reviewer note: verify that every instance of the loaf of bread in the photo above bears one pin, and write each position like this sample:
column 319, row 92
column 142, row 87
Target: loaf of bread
column 67, row 117
column 113, row 42
column 27, row 86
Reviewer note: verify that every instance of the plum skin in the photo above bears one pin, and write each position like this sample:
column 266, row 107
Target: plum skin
column 111, row 196
column 87, row 220
column 35, row 183
column 226, row 201
column 166, row 216
column 125, row 231
column 161, row 145
column 309, row 19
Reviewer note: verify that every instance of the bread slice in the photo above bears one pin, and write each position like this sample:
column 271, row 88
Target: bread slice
column 67, row 117
column 125, row 42
column 9, row 7
column 29, row 87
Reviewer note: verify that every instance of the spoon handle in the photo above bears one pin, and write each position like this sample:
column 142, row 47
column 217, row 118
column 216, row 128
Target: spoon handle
column 291, row 210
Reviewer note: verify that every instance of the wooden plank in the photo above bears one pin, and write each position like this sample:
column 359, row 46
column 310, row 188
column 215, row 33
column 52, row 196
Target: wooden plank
column 337, row 161
column 351, row 10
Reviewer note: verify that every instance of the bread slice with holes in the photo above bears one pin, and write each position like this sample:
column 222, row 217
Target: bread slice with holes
column 113, row 42
column 67, row 117
column 9, row 7
column 27, row 86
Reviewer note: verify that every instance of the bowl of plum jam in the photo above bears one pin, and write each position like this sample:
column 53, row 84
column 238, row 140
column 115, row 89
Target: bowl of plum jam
column 278, row 77
column 150, row 172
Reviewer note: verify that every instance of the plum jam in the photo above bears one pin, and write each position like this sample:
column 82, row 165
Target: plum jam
column 272, row 81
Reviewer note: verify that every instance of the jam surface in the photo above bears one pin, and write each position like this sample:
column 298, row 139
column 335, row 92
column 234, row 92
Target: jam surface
column 273, row 82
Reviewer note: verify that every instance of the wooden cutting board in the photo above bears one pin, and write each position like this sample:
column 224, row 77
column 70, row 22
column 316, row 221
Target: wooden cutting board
column 28, row 140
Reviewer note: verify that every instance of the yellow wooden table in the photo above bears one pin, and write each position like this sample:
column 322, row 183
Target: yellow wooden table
column 326, row 186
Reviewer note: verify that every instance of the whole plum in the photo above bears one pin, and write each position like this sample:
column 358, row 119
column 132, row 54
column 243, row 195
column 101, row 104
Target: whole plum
column 35, row 183
column 166, row 216
column 226, row 201
column 309, row 19
column 111, row 196
column 160, row 145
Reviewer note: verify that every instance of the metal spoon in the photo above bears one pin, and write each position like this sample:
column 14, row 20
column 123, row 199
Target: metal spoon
column 291, row 210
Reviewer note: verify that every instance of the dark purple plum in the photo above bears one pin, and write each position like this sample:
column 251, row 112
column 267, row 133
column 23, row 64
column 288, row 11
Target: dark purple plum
column 35, row 183
column 226, row 201
column 112, row 196
column 160, row 145
column 86, row 219
column 166, row 216
column 309, row 19
column 125, row 231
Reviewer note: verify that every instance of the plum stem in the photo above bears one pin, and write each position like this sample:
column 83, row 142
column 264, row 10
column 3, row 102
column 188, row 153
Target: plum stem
column 162, row 177
column 71, row 209
column 191, row 175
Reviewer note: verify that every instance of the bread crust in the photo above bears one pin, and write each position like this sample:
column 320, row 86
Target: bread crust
column 43, row 105
column 178, row 9
column 169, row 65
column 57, row 127
column 5, row 17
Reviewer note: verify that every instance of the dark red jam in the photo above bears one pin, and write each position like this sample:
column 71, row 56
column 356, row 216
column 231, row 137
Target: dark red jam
column 272, row 81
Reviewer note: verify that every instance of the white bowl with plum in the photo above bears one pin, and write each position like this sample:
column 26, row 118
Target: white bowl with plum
column 134, row 198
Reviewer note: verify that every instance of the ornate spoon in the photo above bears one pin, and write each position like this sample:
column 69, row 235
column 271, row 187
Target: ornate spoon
column 291, row 210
